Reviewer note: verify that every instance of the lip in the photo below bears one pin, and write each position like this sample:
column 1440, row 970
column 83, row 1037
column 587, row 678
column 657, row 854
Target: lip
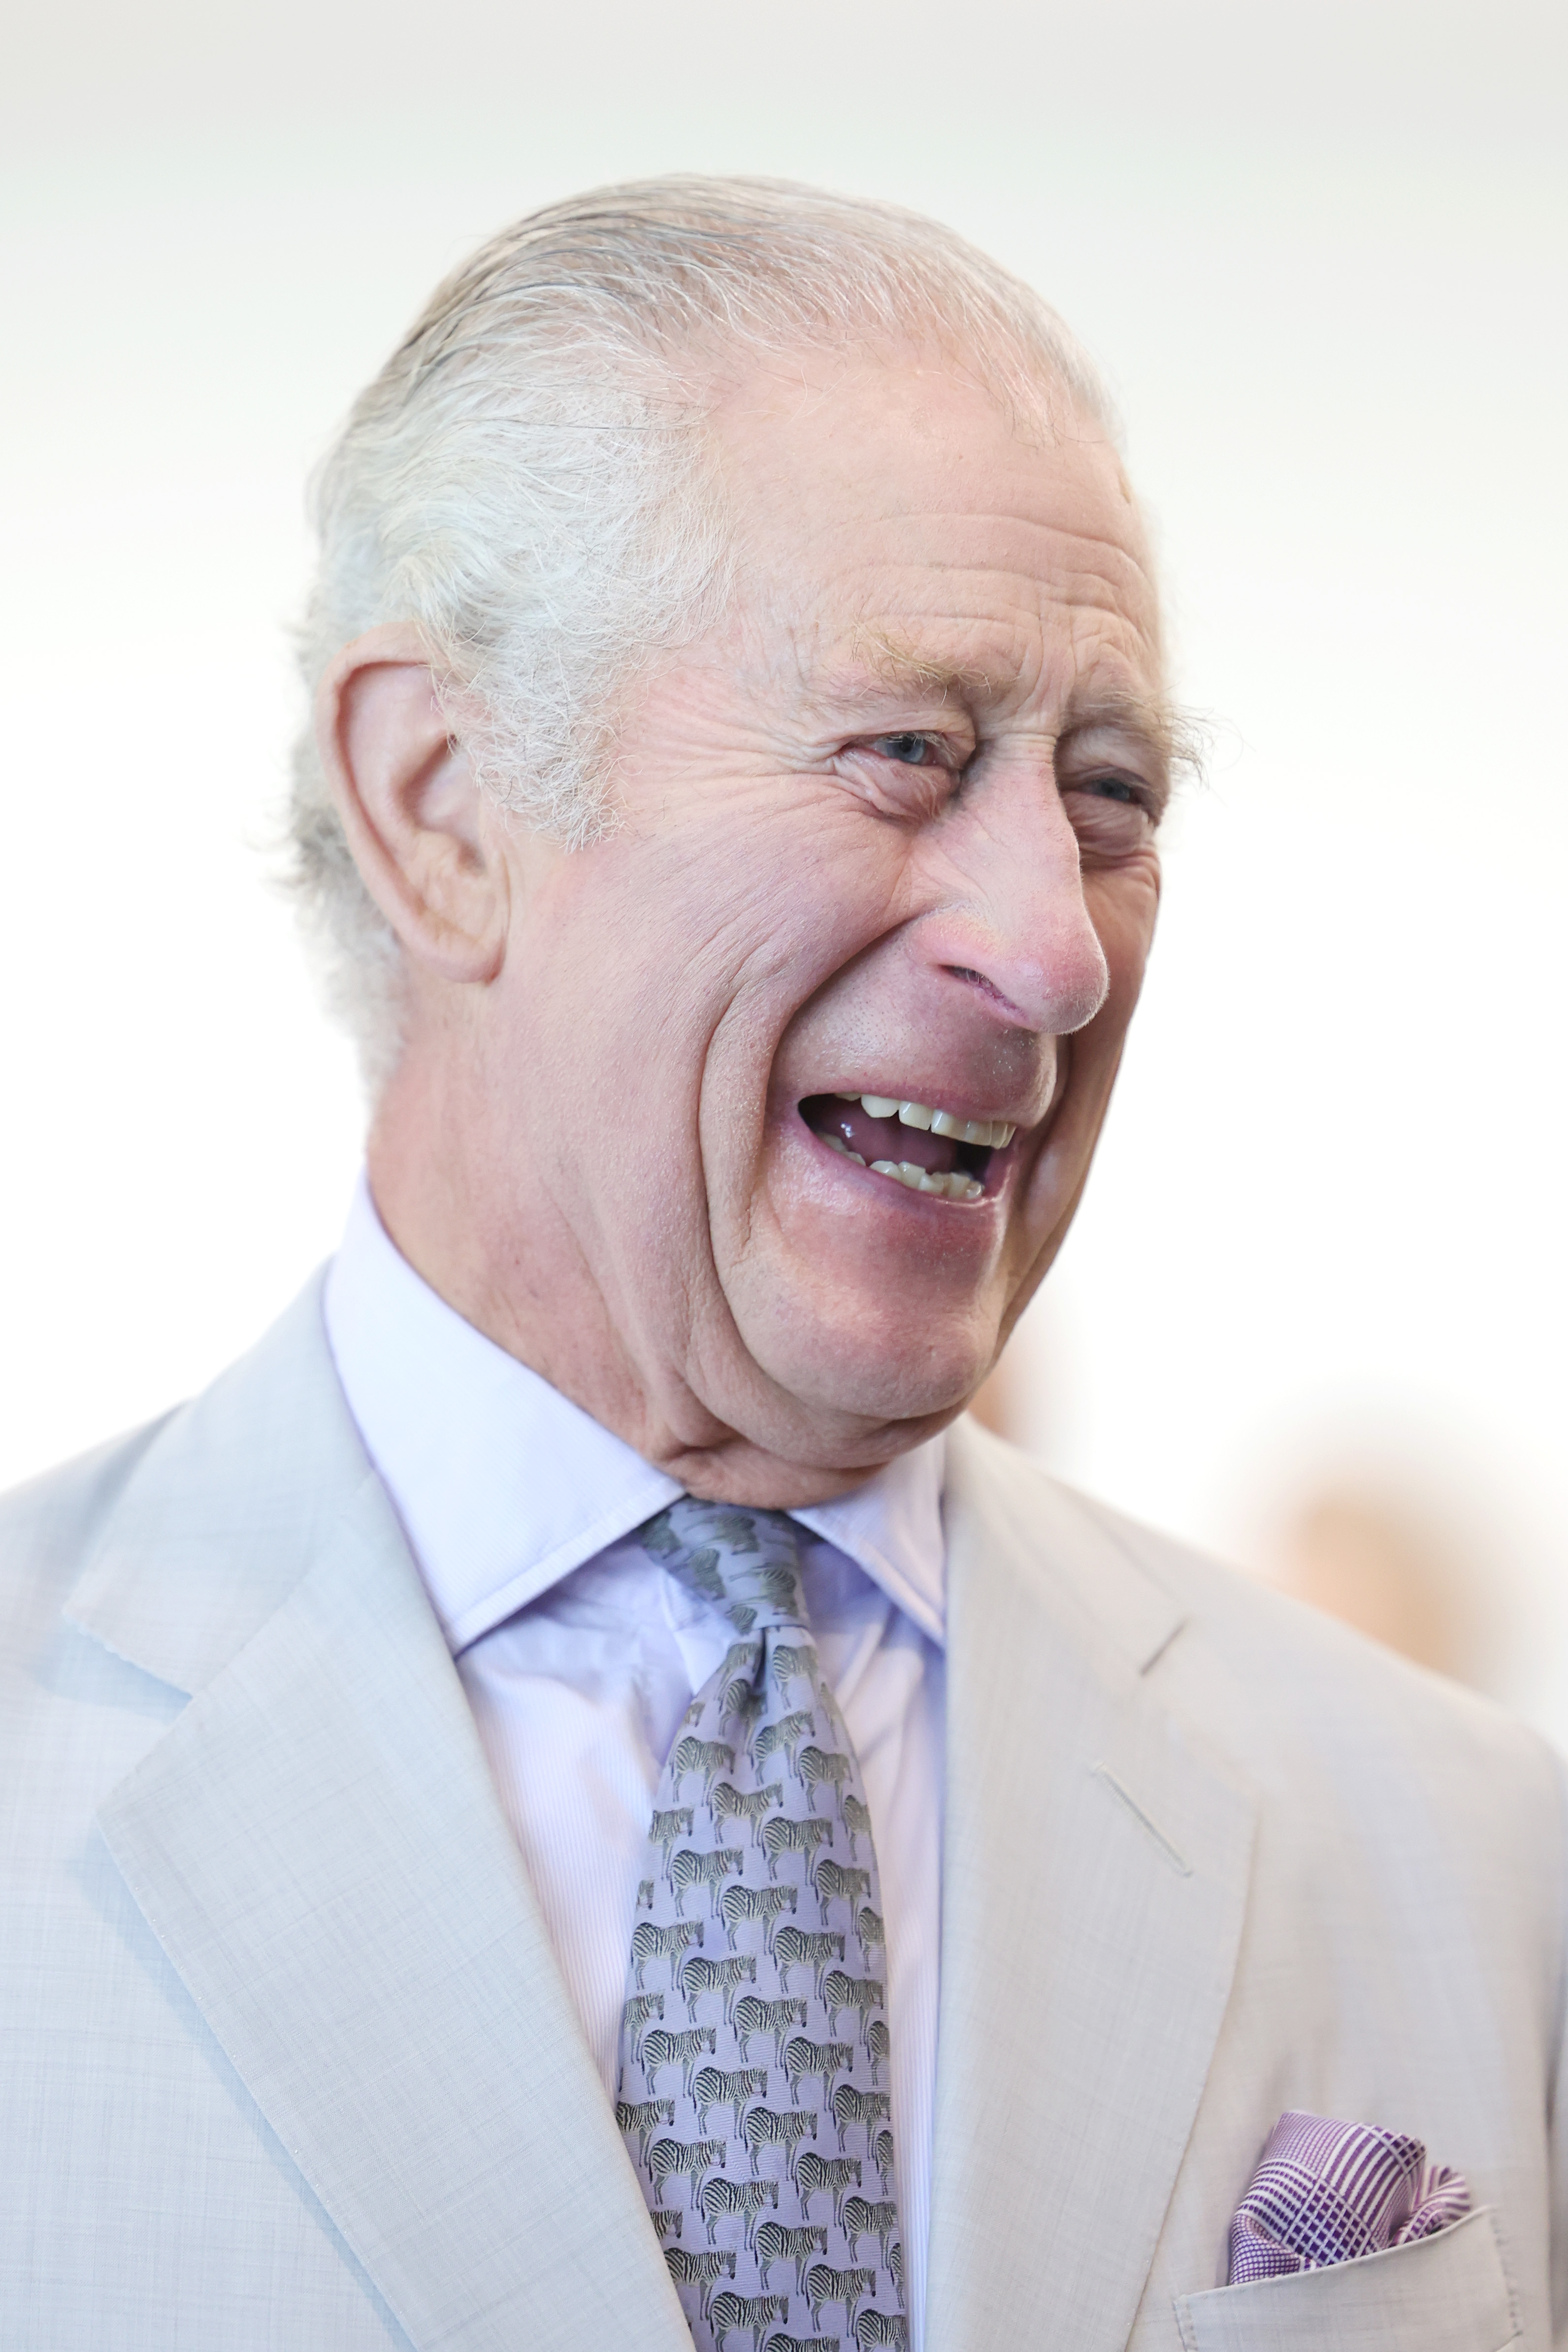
column 936, row 1150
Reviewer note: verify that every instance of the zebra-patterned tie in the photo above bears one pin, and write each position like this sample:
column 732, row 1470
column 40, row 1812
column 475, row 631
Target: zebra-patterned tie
column 754, row 2077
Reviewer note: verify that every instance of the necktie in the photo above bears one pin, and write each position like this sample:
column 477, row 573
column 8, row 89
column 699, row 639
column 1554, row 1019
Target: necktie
column 754, row 2090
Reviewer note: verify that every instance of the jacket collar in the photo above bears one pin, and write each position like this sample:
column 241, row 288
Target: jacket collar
column 233, row 1496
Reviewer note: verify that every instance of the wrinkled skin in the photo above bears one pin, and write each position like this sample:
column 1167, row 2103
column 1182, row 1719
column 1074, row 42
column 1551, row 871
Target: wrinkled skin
column 890, row 827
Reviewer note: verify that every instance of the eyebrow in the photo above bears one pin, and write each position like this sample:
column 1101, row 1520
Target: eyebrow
column 1154, row 716
column 897, row 662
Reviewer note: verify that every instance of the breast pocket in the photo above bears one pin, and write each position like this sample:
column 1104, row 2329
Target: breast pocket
column 1446, row 2294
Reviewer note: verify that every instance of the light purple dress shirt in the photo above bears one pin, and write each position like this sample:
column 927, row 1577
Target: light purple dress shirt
column 579, row 1656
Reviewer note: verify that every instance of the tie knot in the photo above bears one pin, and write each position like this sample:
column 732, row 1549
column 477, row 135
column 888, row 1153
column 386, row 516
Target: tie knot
column 747, row 1562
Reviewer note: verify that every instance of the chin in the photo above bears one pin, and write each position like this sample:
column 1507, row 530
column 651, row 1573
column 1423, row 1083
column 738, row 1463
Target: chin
column 867, row 1305
column 897, row 1367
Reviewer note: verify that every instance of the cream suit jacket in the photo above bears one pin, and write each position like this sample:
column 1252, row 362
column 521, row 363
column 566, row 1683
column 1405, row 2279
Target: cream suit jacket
column 286, row 2062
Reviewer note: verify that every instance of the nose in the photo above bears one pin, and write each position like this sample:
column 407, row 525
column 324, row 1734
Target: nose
column 1008, row 910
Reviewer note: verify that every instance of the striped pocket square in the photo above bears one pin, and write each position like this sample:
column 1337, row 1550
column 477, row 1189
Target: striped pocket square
column 1329, row 2193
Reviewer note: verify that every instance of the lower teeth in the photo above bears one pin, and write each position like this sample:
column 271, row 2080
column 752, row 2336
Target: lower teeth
column 954, row 1186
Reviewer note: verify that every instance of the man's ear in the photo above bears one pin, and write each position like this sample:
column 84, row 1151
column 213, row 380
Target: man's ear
column 414, row 818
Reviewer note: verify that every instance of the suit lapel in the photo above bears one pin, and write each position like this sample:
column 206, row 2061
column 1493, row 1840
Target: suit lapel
column 318, row 1848
column 1094, row 1876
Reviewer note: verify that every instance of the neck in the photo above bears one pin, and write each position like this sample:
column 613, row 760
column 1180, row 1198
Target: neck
column 529, row 1287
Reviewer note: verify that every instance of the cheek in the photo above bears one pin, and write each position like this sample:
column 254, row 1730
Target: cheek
column 1122, row 907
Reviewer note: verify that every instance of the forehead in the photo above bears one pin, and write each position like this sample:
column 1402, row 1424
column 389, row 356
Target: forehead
column 897, row 522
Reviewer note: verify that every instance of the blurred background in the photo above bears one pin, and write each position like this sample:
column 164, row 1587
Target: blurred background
column 1310, row 1315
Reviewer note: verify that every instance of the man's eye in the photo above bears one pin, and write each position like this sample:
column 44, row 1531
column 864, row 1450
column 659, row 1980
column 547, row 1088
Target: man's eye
column 1111, row 788
column 909, row 751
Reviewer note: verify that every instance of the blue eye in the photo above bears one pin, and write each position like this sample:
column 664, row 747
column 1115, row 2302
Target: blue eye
column 909, row 751
column 1112, row 788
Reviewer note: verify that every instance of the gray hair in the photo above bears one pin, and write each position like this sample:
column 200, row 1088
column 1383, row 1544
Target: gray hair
column 528, row 481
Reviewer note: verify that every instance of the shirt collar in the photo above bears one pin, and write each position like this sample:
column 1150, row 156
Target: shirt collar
column 503, row 1486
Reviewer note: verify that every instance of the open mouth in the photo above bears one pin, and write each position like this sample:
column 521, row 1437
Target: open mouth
column 917, row 1145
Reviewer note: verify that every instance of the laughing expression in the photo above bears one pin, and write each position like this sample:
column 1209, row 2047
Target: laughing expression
column 802, row 1069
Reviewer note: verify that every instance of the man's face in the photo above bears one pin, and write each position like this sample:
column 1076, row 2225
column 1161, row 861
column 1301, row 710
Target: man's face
column 887, row 840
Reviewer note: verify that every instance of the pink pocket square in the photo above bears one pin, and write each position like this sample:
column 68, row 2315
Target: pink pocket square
column 1327, row 2192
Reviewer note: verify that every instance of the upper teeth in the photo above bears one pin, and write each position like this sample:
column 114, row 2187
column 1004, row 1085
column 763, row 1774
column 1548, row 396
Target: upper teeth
column 994, row 1134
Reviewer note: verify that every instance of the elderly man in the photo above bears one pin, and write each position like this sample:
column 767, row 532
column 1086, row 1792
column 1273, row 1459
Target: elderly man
column 571, row 1801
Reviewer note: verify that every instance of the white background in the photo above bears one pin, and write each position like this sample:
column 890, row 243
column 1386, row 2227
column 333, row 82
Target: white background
column 1319, row 252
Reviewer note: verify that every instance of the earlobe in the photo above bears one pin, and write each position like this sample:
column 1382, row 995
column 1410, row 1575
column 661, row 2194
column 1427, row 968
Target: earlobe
column 415, row 819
